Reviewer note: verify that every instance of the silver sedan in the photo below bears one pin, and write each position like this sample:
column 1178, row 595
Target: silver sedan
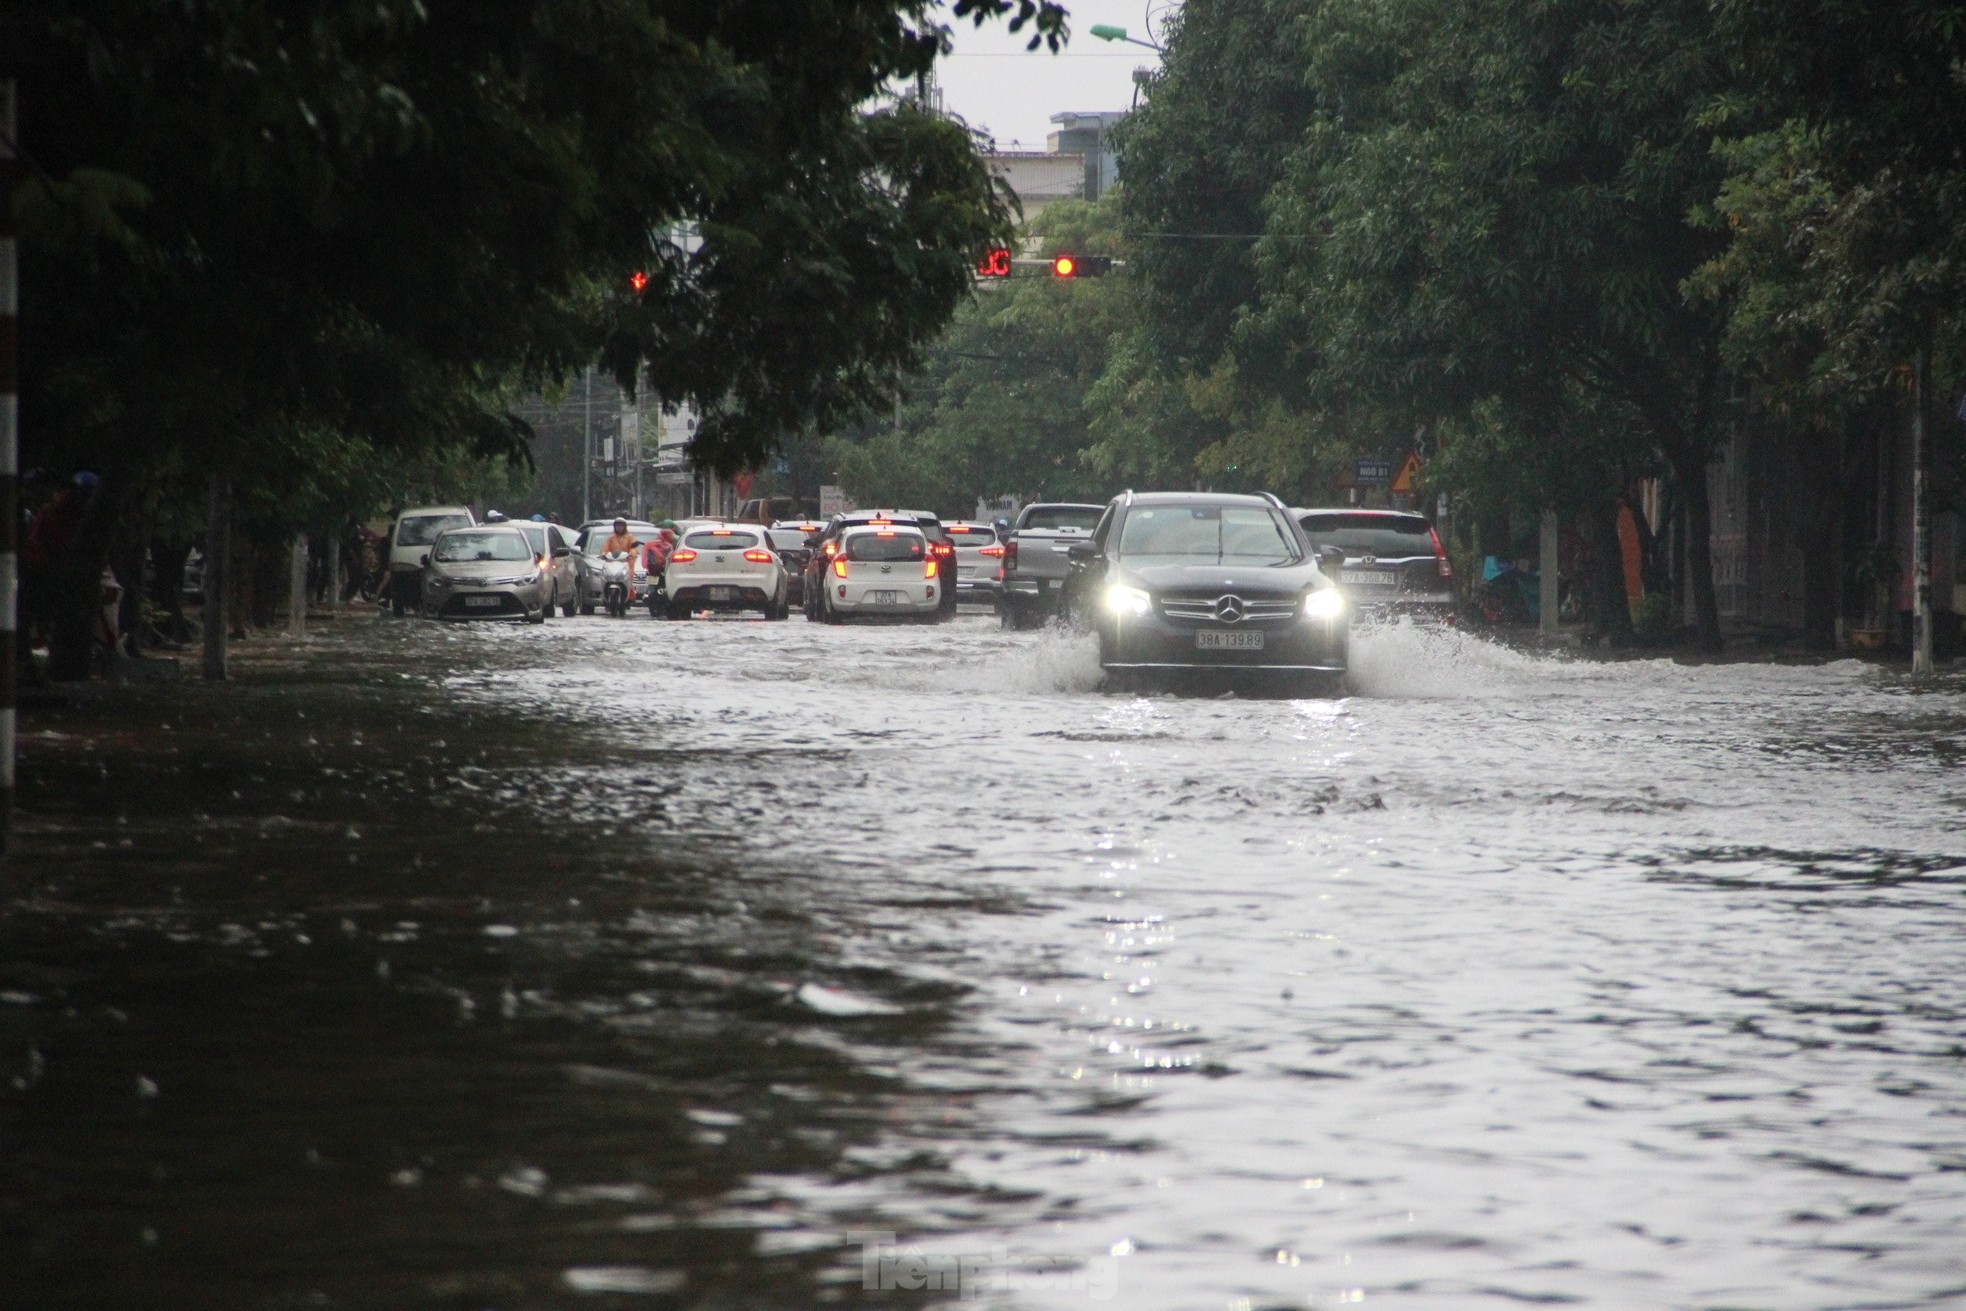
column 487, row 572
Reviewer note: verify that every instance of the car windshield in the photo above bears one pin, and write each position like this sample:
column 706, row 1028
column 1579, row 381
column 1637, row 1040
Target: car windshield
column 492, row 544
column 422, row 529
column 1383, row 535
column 1243, row 534
column 884, row 546
column 535, row 537
column 969, row 537
column 788, row 539
column 721, row 539
column 1049, row 517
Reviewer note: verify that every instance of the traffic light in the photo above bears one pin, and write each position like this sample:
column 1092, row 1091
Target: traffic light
column 1081, row 266
column 638, row 280
column 995, row 263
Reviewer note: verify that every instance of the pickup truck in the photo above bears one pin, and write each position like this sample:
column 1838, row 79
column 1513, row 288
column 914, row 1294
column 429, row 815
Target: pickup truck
column 1035, row 566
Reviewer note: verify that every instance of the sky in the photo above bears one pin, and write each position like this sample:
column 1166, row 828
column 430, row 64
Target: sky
column 991, row 81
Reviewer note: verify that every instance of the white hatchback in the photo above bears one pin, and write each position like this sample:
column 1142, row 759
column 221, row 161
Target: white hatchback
column 881, row 571
column 979, row 560
column 725, row 567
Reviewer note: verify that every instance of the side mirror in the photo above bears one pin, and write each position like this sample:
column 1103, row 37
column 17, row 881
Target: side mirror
column 424, row 559
column 1082, row 552
column 562, row 551
column 1330, row 557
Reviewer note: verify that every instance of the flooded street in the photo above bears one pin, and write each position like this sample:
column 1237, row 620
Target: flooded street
column 735, row 964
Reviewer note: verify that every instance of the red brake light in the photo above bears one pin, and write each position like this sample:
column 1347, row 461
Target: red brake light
column 829, row 549
column 1010, row 554
column 883, row 534
column 839, row 566
column 756, row 556
column 943, row 549
column 681, row 555
column 1440, row 555
column 720, row 532
column 992, row 551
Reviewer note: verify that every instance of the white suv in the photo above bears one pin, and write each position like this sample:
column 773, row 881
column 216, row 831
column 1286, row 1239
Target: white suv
column 725, row 567
column 881, row 570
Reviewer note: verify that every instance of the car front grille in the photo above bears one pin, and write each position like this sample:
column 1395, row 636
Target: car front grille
column 1204, row 609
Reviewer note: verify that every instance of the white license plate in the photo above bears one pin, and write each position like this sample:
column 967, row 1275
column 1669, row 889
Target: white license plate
column 1207, row 640
column 485, row 602
column 884, row 598
column 1369, row 577
column 721, row 593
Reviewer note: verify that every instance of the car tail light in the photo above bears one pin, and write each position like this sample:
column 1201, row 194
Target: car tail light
column 994, row 552
column 720, row 532
column 681, row 555
column 1440, row 555
column 839, row 566
column 886, row 534
column 928, row 569
column 1010, row 554
column 758, row 557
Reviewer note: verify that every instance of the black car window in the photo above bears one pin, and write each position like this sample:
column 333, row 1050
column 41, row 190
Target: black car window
column 497, row 544
column 1225, row 533
column 1047, row 517
column 1383, row 535
column 884, row 546
column 422, row 529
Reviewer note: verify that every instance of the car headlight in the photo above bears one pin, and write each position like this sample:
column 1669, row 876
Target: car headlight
column 1124, row 600
column 1325, row 603
column 519, row 579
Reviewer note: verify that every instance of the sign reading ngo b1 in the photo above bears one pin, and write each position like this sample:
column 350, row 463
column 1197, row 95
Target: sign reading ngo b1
column 1372, row 471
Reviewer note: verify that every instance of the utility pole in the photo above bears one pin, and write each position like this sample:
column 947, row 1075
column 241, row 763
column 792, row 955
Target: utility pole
column 1547, row 595
column 1921, row 508
column 9, row 462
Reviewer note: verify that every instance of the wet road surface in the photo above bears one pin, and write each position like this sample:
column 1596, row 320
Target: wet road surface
column 637, row 964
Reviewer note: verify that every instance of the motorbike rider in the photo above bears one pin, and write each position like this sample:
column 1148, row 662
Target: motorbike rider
column 622, row 540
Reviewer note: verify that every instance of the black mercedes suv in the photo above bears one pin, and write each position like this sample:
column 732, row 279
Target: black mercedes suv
column 1209, row 587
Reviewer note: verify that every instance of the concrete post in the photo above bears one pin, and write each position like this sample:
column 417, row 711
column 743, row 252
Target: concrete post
column 297, row 588
column 1548, row 568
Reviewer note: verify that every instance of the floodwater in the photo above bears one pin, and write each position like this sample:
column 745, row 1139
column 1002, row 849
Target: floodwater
column 737, row 964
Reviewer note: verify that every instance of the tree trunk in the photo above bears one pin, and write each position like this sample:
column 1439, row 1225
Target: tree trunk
column 1699, row 552
column 76, row 603
column 218, row 581
column 1921, row 510
column 1608, row 606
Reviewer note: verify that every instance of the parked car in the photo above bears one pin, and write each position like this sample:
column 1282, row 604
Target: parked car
column 555, row 554
column 885, row 570
column 1035, row 563
column 588, row 540
column 1209, row 587
column 410, row 539
column 979, row 561
column 1393, row 560
column 484, row 572
column 730, row 567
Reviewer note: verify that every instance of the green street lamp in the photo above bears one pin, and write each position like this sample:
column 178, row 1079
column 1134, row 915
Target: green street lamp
column 1107, row 32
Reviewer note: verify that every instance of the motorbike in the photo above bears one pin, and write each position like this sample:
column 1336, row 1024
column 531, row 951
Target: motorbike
column 616, row 587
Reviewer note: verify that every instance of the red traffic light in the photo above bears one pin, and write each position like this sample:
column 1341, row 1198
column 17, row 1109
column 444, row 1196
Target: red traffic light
column 638, row 279
column 994, row 264
column 1064, row 266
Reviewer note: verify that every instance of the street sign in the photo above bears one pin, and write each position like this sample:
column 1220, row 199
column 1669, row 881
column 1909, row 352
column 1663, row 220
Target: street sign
column 1409, row 469
column 833, row 500
column 1372, row 471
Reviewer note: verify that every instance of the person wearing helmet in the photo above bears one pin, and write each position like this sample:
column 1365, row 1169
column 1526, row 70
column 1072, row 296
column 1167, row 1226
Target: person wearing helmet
column 622, row 540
